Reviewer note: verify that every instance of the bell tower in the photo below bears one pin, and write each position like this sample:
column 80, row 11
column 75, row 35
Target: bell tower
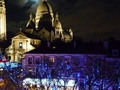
column 2, row 21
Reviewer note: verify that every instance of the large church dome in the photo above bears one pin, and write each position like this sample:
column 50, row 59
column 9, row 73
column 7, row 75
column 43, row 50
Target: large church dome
column 43, row 9
column 44, row 6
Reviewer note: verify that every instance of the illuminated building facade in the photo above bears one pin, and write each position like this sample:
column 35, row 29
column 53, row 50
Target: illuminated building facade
column 2, row 21
column 46, row 25
column 20, row 44
column 58, row 67
column 80, row 63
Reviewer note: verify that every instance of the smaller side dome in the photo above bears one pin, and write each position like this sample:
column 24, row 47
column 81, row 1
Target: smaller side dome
column 57, row 22
column 30, row 23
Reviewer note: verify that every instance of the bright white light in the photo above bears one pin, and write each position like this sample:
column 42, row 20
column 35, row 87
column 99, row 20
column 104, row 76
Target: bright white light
column 46, row 81
column 4, row 64
column 1, row 69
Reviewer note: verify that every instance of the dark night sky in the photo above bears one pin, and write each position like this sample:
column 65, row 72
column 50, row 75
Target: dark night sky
column 89, row 19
